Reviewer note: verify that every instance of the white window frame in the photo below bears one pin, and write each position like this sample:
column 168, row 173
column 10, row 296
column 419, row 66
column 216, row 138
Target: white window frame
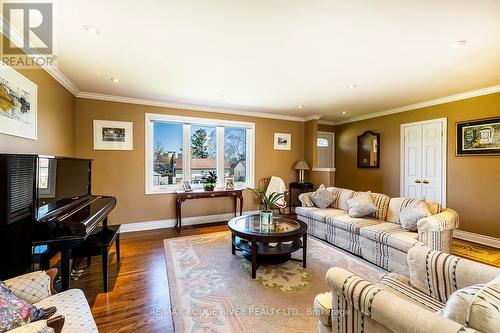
column 187, row 122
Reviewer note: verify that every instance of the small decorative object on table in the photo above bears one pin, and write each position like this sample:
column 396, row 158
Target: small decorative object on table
column 229, row 183
column 267, row 203
column 210, row 181
column 186, row 186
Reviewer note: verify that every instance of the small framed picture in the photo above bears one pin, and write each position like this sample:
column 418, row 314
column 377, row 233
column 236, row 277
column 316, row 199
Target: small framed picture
column 282, row 141
column 186, row 186
column 229, row 183
column 113, row 135
column 478, row 137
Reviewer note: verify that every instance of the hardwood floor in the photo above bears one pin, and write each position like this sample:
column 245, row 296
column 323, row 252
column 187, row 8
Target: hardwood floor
column 139, row 299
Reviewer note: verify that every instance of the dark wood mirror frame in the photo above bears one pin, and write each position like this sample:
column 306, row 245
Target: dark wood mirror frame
column 364, row 155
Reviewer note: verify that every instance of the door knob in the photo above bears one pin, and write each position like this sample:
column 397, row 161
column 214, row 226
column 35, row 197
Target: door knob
column 418, row 181
column 426, row 181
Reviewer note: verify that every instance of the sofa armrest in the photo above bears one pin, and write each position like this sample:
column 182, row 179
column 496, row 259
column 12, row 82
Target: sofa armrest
column 356, row 300
column 35, row 327
column 33, row 286
column 305, row 200
column 436, row 231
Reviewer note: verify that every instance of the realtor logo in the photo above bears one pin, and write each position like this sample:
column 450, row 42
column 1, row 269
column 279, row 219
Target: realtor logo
column 35, row 22
column 27, row 34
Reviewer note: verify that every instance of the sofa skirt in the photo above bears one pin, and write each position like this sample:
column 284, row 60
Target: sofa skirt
column 344, row 239
column 314, row 227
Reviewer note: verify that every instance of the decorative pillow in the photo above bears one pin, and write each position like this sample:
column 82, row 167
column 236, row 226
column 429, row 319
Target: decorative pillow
column 476, row 306
column 411, row 214
column 322, row 198
column 361, row 205
column 14, row 311
column 305, row 199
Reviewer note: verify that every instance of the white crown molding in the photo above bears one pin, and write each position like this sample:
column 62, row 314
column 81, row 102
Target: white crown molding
column 174, row 105
column 442, row 100
column 312, row 117
column 477, row 238
column 170, row 223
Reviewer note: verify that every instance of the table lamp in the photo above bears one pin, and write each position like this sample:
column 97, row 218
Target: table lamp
column 301, row 165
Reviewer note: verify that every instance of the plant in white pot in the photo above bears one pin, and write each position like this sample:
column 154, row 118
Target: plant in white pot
column 267, row 202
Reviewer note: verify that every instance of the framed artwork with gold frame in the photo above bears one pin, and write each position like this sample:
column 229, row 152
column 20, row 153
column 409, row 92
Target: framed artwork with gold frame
column 478, row 137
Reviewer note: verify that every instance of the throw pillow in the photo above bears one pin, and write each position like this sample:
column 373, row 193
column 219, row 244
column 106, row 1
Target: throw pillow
column 322, row 198
column 475, row 306
column 411, row 214
column 361, row 205
column 14, row 311
column 305, row 199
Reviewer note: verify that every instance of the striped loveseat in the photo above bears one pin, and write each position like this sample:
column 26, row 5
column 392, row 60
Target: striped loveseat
column 378, row 238
column 443, row 293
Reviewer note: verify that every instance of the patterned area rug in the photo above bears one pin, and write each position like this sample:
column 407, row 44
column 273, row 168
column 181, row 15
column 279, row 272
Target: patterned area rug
column 212, row 291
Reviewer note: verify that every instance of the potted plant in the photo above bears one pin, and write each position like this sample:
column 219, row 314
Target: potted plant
column 210, row 180
column 267, row 202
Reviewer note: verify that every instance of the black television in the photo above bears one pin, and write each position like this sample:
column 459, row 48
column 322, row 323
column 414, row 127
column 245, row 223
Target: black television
column 60, row 182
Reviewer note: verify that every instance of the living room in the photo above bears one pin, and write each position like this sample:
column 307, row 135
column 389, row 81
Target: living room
column 250, row 166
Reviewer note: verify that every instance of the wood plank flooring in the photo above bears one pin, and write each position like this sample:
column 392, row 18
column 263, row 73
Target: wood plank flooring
column 139, row 299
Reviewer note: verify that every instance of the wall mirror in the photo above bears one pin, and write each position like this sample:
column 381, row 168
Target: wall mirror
column 369, row 150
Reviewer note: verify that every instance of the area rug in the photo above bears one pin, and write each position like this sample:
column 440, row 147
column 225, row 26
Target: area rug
column 211, row 290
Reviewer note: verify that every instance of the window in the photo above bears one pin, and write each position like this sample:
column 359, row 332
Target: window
column 46, row 177
column 322, row 142
column 182, row 149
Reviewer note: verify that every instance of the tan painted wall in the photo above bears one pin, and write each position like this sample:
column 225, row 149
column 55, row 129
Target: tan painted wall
column 55, row 119
column 121, row 173
column 473, row 182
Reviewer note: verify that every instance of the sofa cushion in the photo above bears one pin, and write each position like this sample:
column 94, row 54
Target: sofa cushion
column 361, row 205
column 341, row 196
column 73, row 305
column 411, row 214
column 14, row 311
column 322, row 198
column 352, row 224
column 476, row 306
column 323, row 308
column 318, row 214
column 305, row 199
column 398, row 204
column 400, row 286
column 391, row 234
column 381, row 201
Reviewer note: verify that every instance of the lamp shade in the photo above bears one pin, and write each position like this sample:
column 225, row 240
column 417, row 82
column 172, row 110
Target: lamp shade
column 301, row 165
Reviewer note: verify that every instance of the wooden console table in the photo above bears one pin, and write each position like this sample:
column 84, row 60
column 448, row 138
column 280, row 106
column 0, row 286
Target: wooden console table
column 236, row 194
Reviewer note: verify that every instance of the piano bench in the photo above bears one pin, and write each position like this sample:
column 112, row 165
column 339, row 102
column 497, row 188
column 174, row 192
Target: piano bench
column 99, row 243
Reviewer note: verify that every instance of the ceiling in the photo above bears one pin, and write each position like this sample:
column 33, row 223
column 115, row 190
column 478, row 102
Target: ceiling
column 274, row 55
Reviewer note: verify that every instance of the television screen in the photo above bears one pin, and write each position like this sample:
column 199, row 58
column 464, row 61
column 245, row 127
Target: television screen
column 60, row 182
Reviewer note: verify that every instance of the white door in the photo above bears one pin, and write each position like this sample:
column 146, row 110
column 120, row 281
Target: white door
column 423, row 148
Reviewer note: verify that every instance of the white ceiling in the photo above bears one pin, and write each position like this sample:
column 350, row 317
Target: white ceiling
column 272, row 55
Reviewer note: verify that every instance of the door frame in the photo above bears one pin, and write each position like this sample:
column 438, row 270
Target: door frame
column 444, row 155
column 333, row 152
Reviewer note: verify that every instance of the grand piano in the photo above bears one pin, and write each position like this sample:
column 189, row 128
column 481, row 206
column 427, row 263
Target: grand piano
column 46, row 202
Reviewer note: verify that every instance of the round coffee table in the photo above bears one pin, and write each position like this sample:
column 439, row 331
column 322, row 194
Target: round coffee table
column 268, row 244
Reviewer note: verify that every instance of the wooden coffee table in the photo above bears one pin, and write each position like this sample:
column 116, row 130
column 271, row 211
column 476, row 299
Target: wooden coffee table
column 268, row 244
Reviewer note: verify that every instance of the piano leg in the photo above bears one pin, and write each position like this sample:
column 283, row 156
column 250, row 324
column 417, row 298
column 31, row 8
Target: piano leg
column 105, row 268
column 65, row 267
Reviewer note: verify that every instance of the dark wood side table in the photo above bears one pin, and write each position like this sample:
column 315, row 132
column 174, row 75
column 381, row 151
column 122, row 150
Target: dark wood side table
column 236, row 194
column 296, row 189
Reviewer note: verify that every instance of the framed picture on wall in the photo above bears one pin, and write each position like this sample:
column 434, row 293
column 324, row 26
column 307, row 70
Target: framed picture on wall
column 478, row 137
column 282, row 141
column 113, row 135
column 18, row 104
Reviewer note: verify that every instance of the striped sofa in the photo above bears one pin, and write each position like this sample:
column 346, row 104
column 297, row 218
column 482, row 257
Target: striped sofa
column 414, row 304
column 378, row 238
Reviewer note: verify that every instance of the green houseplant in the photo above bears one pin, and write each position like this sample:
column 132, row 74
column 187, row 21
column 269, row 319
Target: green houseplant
column 210, row 180
column 267, row 202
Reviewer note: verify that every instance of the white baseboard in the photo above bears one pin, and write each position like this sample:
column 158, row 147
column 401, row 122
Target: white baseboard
column 170, row 223
column 477, row 238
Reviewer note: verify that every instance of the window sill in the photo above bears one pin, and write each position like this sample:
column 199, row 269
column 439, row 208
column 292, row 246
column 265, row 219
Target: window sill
column 324, row 169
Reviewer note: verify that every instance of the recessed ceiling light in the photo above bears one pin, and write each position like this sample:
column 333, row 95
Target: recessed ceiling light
column 115, row 80
column 224, row 96
column 351, row 86
column 344, row 112
column 458, row 43
column 300, row 106
column 91, row 29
